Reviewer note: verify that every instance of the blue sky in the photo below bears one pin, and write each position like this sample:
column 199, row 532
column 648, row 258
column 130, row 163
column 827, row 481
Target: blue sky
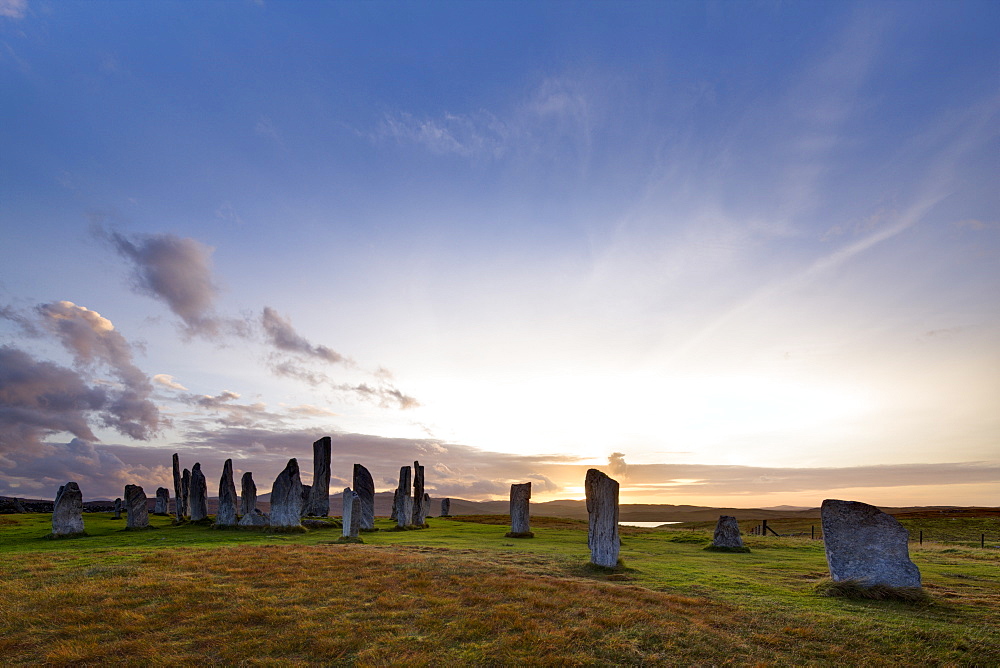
column 732, row 253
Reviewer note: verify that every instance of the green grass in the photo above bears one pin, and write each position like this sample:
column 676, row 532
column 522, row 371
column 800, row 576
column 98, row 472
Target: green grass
column 461, row 593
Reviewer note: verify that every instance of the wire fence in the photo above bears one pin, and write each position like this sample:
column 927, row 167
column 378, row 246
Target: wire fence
column 921, row 535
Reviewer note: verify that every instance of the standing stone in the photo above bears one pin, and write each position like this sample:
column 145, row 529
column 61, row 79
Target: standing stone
column 727, row 533
column 866, row 545
column 286, row 497
column 197, row 494
column 602, row 506
column 248, row 494
column 226, row 515
column 445, row 507
column 419, row 512
column 118, row 509
column 364, row 486
column 162, row 501
column 185, row 493
column 67, row 511
column 404, row 504
column 178, row 489
column 352, row 513
column 135, row 506
column 520, row 516
column 319, row 493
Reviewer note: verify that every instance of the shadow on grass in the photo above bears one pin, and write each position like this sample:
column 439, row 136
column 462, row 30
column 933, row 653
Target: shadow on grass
column 858, row 591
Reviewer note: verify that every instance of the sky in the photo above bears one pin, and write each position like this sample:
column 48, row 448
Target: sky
column 736, row 254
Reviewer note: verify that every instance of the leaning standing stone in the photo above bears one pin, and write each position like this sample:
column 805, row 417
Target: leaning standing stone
column 67, row 511
column 286, row 497
column 226, row 515
column 248, row 494
column 445, row 507
column 365, row 488
column 352, row 513
column 162, row 501
column 602, row 506
column 520, row 522
column 135, row 506
column 319, row 493
column 198, row 494
column 865, row 545
column 727, row 534
column 178, row 504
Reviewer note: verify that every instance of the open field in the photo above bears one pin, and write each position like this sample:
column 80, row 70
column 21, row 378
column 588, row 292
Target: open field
column 460, row 593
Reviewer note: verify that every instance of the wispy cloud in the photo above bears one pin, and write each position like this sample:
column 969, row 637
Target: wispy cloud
column 166, row 380
column 282, row 335
column 14, row 9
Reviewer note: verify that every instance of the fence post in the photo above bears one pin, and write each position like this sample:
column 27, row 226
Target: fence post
column 812, row 532
column 982, row 540
column 921, row 536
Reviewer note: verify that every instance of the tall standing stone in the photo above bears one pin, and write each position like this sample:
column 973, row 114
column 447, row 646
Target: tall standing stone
column 286, row 497
column 162, row 501
column 445, row 507
column 67, row 511
column 178, row 489
column 185, row 493
column 118, row 509
column 419, row 512
column 306, row 489
column 352, row 513
column 866, row 545
column 404, row 503
column 136, row 507
column 602, row 506
column 248, row 494
column 364, row 486
column 226, row 515
column 520, row 514
column 727, row 534
column 319, row 493
column 198, row 494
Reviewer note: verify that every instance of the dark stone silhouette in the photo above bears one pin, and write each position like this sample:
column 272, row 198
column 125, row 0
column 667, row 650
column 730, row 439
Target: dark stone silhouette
column 404, row 502
column 178, row 489
column 286, row 497
column 319, row 493
column 445, row 507
column 67, row 511
column 136, row 507
column 602, row 506
column 226, row 515
column 198, row 494
column 185, row 497
column 419, row 512
column 865, row 545
column 162, row 501
column 364, row 486
column 118, row 509
column 248, row 494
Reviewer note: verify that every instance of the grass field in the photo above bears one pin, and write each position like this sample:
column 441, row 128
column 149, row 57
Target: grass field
column 460, row 593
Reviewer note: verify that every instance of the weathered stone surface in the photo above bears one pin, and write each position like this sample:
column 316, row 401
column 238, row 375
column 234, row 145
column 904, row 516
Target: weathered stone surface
column 185, row 497
column 364, row 486
column 198, row 494
column 248, row 494
column 254, row 518
column 445, row 507
column 286, row 497
column 118, row 509
column 136, row 507
column 866, row 545
column 306, row 489
column 419, row 512
column 520, row 514
column 67, row 511
column 727, row 533
column 226, row 515
column 404, row 502
column 162, row 501
column 319, row 492
column 351, row 514
column 178, row 489
column 602, row 506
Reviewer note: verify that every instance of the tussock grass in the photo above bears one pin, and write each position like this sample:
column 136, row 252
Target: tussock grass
column 859, row 591
column 719, row 548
